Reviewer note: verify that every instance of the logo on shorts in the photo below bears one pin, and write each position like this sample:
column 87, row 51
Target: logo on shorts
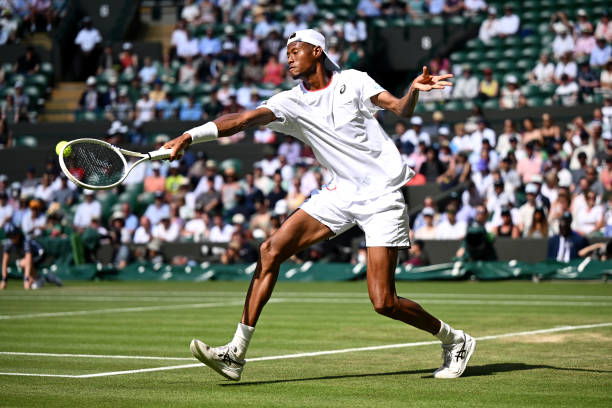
column 342, row 89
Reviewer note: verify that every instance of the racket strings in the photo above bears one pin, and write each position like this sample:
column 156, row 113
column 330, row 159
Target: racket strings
column 94, row 164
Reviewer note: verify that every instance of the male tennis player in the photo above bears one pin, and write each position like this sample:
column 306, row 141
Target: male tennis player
column 333, row 112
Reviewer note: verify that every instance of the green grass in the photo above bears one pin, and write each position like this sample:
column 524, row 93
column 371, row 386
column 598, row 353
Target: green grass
column 560, row 369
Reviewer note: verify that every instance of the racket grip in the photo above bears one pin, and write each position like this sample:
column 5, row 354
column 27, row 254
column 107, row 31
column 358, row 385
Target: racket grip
column 161, row 154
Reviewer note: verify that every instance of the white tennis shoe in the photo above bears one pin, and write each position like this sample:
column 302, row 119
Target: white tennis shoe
column 456, row 356
column 221, row 359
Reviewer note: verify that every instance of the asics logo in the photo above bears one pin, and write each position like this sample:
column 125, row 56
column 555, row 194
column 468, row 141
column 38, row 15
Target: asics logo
column 227, row 359
column 342, row 89
column 461, row 354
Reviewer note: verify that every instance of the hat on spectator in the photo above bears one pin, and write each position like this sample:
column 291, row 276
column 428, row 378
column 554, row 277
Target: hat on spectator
column 161, row 138
column 89, row 192
column 511, row 79
column 91, row 81
column 559, row 28
column 117, row 215
column 428, row 211
column 155, row 166
column 531, row 189
column 314, row 38
column 158, row 194
column 238, row 219
column 444, row 131
column 281, row 207
column 582, row 13
column 492, row 10
column 3, row 177
column 211, row 164
column 566, row 216
column 416, row 120
column 175, row 165
column 537, row 178
column 127, row 46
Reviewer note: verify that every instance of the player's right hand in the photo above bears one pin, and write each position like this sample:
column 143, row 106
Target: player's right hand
column 178, row 146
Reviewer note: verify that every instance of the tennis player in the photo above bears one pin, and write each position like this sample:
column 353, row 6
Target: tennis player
column 333, row 112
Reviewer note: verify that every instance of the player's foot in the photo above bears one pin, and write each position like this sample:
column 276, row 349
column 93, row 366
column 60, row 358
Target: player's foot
column 2, row 285
column 221, row 359
column 456, row 357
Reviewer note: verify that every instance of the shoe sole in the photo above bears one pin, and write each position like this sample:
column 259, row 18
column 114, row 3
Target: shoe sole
column 199, row 354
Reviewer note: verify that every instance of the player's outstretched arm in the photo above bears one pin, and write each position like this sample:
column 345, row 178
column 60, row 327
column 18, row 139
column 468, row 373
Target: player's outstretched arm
column 225, row 125
column 404, row 107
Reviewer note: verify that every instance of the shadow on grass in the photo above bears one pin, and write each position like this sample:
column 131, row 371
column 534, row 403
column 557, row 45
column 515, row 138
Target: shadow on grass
column 472, row 371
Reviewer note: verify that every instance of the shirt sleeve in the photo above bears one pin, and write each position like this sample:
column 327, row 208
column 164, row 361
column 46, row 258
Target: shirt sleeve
column 280, row 104
column 369, row 88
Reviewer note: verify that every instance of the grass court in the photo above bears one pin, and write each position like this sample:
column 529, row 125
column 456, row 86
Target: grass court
column 115, row 344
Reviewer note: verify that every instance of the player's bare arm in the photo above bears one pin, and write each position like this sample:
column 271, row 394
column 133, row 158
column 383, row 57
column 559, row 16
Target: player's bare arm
column 227, row 125
column 404, row 106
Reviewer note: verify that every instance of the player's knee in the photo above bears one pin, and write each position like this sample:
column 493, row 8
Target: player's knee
column 269, row 253
column 385, row 306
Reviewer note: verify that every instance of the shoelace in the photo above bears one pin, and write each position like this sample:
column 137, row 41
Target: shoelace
column 227, row 358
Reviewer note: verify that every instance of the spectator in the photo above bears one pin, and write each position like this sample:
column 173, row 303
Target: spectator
column 174, row 179
column 474, row 7
column 417, row 254
column 273, row 72
column 582, row 24
column 450, row 228
column 196, row 229
column 587, row 82
column 507, row 228
column 155, row 182
column 128, row 60
column 566, row 93
column 89, row 209
column 489, row 27
column 428, row 230
column 157, row 210
column 511, row 96
column 142, row 235
column 531, row 133
column 190, row 12
column 209, row 44
column 249, row 45
column 564, row 247
column 91, row 100
column 369, row 8
column 87, row 39
column 209, row 200
column 29, row 63
column 566, row 66
column 329, row 27
column 187, row 73
column 466, row 86
column 6, row 134
column 563, row 43
column 220, row 231
column 488, row 87
column 191, row 110
column 165, row 230
column 432, row 168
column 8, row 27
column 188, row 47
column 600, row 54
column 355, row 30
column 306, row 10
column 584, row 44
column 411, row 138
column 531, row 164
column 604, row 27
column 503, row 146
column 148, row 73
column 145, row 108
column 453, row 7
column 539, row 225
column 543, row 72
column 6, row 210
column 435, row 7
column 482, row 132
column 292, row 25
column 508, row 25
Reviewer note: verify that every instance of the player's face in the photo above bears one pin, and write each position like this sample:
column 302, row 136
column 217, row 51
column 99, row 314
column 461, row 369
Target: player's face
column 301, row 58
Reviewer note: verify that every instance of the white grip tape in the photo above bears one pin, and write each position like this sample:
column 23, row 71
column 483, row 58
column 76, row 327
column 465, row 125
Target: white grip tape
column 161, row 154
column 204, row 133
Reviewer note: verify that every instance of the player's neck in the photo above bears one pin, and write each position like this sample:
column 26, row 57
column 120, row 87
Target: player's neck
column 318, row 79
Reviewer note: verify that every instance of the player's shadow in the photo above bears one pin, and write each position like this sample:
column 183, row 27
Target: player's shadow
column 472, row 371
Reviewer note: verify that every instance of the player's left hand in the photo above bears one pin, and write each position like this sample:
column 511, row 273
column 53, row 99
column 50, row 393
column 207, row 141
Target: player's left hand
column 426, row 82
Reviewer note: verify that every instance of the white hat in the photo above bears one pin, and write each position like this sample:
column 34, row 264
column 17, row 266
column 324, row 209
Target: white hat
column 428, row 211
column 238, row 219
column 314, row 38
column 492, row 10
column 531, row 189
column 127, row 46
column 444, row 131
column 281, row 207
column 416, row 120
column 537, row 178
column 174, row 165
column 91, row 81
column 89, row 192
column 511, row 79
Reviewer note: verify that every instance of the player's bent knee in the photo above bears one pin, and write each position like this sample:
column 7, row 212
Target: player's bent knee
column 385, row 306
column 269, row 253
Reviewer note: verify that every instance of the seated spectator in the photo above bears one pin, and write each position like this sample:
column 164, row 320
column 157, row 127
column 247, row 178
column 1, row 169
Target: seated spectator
column 292, row 25
column 435, row 7
column 165, row 230
column 531, row 164
column 148, row 73
column 369, row 8
column 563, row 42
column 488, row 28
column 474, row 7
column 600, row 54
column 466, row 86
column 604, row 27
column 128, row 60
column 353, row 57
column 453, row 7
column 509, row 23
column 605, row 79
column 582, row 23
column 196, row 229
column 264, row 135
column 503, row 146
column 29, row 63
column 539, row 225
column 432, row 167
column 191, row 110
column 543, row 72
column 220, row 231
column 157, row 210
column 190, row 12
column 507, row 228
column 566, row 93
column 511, row 96
column 273, row 72
column 531, row 133
column 189, row 47
column 411, row 138
column 209, row 44
column 355, row 30
column 89, row 209
column 564, row 246
column 8, row 27
column 584, row 44
column 451, row 228
column 145, row 108
column 591, row 218
column 306, row 10
column 91, row 100
column 587, row 82
column 155, row 182
column 417, row 255
column 566, row 66
column 488, row 87
column 480, row 134
column 248, row 45
column 209, row 200
column 428, row 229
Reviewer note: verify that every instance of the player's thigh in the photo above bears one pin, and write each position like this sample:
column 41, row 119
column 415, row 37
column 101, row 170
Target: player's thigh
column 381, row 272
column 297, row 233
column 384, row 220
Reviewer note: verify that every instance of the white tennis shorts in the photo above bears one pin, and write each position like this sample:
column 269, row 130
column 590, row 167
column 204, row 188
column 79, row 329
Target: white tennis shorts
column 384, row 219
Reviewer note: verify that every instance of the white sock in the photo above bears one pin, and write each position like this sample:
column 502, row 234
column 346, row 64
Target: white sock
column 241, row 340
column 447, row 334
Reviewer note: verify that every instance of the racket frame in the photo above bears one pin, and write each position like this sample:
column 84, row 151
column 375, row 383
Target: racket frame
column 160, row 154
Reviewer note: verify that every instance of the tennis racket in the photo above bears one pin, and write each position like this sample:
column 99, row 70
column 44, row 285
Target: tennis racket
column 98, row 165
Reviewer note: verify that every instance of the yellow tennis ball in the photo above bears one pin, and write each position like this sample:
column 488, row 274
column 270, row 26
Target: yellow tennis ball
column 68, row 151
column 60, row 146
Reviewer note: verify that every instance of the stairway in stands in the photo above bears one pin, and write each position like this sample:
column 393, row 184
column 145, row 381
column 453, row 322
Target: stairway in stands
column 64, row 102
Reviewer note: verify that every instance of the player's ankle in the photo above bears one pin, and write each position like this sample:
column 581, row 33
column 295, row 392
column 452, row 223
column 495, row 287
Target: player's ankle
column 447, row 334
column 241, row 340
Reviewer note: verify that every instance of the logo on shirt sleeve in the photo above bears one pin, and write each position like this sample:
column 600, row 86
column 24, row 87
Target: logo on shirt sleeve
column 342, row 89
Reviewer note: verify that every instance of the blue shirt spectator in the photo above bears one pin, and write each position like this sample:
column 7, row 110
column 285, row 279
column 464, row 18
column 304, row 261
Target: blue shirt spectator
column 601, row 54
column 168, row 108
column 436, row 7
column 210, row 45
column 191, row 110
column 368, row 8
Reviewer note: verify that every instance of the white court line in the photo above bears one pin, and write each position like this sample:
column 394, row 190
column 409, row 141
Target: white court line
column 120, row 310
column 300, row 355
column 19, row 353
column 302, row 300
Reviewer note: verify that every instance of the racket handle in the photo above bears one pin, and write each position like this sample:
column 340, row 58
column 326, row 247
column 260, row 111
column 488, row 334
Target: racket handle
column 161, row 154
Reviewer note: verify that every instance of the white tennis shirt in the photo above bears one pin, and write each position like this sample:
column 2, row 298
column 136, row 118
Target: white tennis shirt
column 338, row 123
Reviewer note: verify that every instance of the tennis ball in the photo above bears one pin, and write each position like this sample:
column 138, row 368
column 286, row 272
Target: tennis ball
column 60, row 146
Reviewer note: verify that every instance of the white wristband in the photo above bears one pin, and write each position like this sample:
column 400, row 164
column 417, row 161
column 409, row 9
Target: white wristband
column 204, row 133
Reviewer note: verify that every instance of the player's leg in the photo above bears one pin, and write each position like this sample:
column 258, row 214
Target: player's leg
column 457, row 346
column 381, row 288
column 298, row 232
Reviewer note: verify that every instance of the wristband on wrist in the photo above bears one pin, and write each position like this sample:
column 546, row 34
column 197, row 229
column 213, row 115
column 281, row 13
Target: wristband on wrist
column 204, row 133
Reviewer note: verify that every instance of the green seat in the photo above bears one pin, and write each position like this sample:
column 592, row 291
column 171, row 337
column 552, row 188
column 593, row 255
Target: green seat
column 491, row 104
column 453, row 105
column 504, row 65
column 511, row 53
column 475, row 56
column 26, row 141
column 532, row 40
column 458, row 57
column 493, row 54
column 535, row 102
column 530, row 52
column 475, row 43
column 32, row 91
column 530, row 90
column 548, row 89
column 524, row 64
